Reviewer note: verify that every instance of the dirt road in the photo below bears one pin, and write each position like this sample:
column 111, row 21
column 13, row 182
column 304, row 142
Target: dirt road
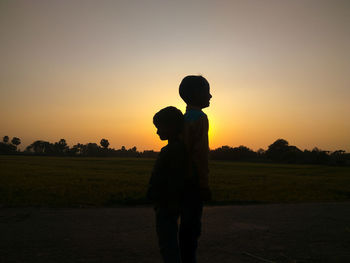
column 254, row 233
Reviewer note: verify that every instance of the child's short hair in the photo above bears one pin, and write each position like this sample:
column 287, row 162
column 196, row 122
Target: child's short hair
column 191, row 86
column 169, row 116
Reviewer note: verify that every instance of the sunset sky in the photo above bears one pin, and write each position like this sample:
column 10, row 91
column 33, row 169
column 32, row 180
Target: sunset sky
column 87, row 70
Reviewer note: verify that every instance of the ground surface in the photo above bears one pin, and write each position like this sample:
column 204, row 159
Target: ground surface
column 254, row 233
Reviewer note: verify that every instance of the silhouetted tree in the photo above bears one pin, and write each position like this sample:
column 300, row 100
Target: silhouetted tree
column 61, row 147
column 320, row 156
column 261, row 153
column 132, row 152
column 104, row 143
column 280, row 151
column 338, row 157
column 241, row 153
column 77, row 149
column 91, row 149
column 16, row 141
column 41, row 147
column 279, row 146
column 315, row 156
column 7, row 148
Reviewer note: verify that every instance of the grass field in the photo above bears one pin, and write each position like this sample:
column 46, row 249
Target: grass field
column 66, row 182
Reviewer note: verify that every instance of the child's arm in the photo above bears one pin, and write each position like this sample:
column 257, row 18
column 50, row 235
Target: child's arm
column 155, row 190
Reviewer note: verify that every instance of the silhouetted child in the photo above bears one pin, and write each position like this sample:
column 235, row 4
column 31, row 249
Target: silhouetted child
column 166, row 184
column 194, row 90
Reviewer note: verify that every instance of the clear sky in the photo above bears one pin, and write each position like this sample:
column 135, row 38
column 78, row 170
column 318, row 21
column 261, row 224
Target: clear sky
column 86, row 70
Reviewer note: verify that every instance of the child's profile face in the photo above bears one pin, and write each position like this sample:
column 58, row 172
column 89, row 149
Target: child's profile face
column 204, row 97
column 163, row 131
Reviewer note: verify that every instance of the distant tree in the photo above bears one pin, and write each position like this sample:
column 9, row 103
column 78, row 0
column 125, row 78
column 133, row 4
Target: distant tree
column 320, row 156
column 61, row 147
column 104, row 143
column 293, row 155
column 281, row 151
column 77, row 149
column 279, row 145
column 42, row 148
column 260, row 152
column 5, row 139
column 91, row 149
column 16, row 141
column 7, row 148
column 277, row 149
column 338, row 157
column 62, row 142
column 241, row 153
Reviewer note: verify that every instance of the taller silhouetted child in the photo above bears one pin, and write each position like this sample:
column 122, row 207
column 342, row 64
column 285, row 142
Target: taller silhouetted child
column 195, row 91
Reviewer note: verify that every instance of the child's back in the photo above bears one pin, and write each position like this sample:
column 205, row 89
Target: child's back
column 195, row 137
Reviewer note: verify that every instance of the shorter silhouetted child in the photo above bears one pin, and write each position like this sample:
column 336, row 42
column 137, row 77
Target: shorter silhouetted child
column 166, row 184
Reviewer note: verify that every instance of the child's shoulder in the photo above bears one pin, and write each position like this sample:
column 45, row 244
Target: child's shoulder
column 194, row 115
column 176, row 148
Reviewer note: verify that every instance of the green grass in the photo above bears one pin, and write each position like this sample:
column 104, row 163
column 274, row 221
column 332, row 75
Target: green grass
column 65, row 181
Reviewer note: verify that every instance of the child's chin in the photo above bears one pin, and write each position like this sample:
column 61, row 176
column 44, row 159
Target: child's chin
column 206, row 104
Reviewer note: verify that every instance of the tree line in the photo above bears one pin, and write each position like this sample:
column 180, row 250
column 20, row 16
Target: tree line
column 61, row 148
column 279, row 151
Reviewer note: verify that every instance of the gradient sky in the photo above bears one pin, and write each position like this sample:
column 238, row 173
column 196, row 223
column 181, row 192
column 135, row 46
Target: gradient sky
column 86, row 70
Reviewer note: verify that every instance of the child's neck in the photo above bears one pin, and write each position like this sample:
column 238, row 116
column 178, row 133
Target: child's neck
column 174, row 139
column 192, row 107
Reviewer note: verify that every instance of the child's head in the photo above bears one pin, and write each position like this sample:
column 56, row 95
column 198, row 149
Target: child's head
column 169, row 123
column 194, row 90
